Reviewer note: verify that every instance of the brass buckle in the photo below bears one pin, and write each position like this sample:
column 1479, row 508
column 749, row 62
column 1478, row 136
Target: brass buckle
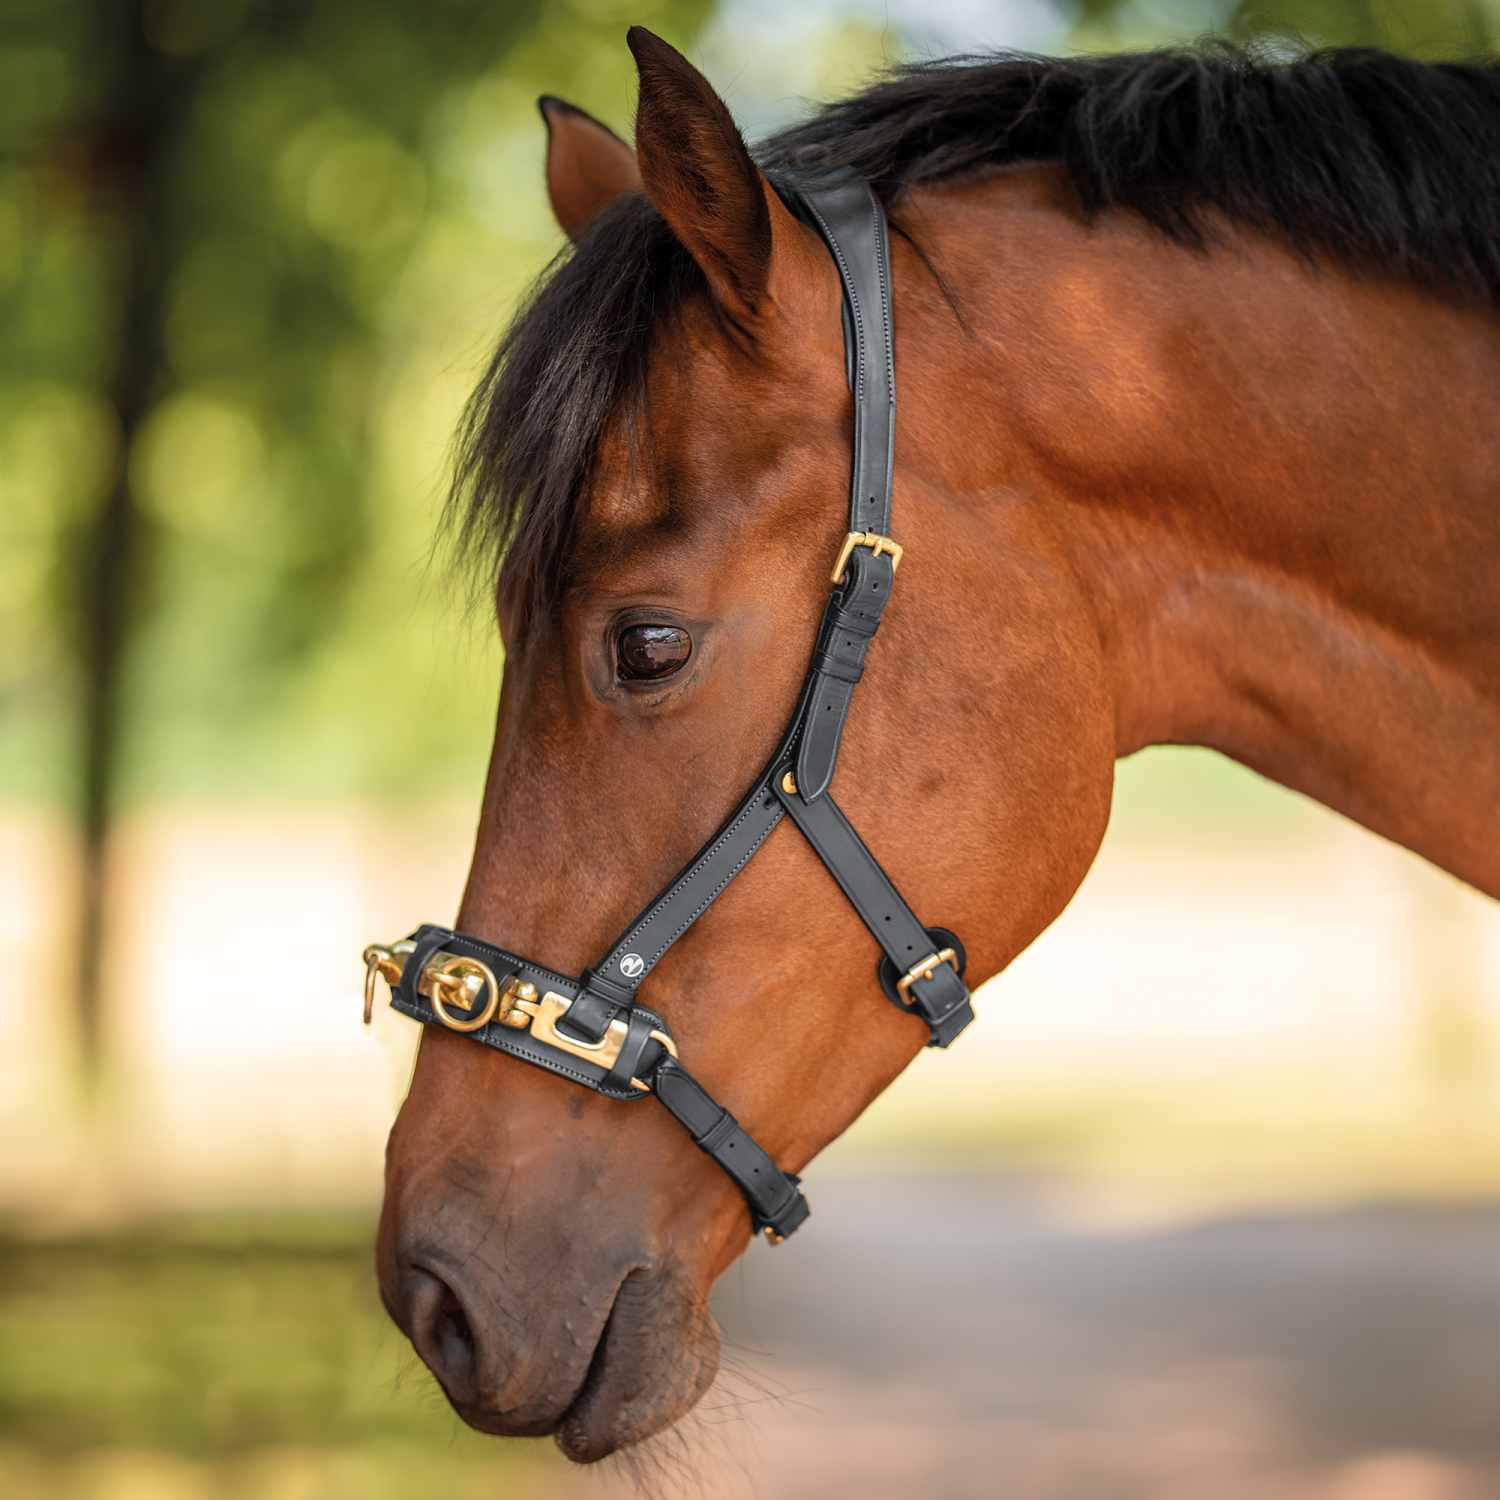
column 865, row 539
column 924, row 970
column 522, row 1009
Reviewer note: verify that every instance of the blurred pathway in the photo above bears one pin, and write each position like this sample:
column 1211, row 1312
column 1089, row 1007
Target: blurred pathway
column 948, row 1339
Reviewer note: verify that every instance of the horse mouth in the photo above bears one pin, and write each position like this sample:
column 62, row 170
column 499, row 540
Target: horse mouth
column 656, row 1353
column 596, row 1424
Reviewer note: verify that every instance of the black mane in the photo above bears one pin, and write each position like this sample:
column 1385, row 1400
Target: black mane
column 1382, row 164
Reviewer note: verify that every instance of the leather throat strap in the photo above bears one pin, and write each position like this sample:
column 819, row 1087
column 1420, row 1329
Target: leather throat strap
column 599, row 1009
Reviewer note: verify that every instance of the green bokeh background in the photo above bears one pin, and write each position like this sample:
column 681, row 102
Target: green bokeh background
column 341, row 205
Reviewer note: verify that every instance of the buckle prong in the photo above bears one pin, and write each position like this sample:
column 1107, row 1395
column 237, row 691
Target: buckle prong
column 923, row 970
column 872, row 539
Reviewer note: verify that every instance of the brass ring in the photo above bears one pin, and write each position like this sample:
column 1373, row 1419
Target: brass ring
column 444, row 970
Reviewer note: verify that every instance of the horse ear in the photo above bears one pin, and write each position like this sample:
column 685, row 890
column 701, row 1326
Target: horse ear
column 588, row 165
column 696, row 170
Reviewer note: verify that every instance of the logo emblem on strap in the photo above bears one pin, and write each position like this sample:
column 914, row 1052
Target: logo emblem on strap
column 632, row 966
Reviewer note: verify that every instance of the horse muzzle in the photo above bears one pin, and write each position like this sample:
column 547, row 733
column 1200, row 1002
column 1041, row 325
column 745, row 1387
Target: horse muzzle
column 538, row 1291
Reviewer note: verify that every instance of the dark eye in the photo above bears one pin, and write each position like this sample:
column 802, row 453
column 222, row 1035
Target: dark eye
column 652, row 650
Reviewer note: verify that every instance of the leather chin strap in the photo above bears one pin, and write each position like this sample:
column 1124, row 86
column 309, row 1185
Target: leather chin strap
column 592, row 1029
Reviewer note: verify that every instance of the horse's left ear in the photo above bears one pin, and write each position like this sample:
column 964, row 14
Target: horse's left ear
column 697, row 171
column 588, row 165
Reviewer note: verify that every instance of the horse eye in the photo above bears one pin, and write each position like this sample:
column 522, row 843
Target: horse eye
column 652, row 650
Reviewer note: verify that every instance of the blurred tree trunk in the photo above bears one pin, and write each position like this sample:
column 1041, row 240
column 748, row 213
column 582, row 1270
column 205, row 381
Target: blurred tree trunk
column 141, row 110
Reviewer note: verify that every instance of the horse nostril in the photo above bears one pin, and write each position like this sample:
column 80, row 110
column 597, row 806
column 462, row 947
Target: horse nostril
column 442, row 1332
column 452, row 1309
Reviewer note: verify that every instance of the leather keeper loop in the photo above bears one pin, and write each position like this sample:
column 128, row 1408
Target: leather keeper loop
column 628, row 1064
column 610, row 989
column 832, row 666
column 428, row 940
column 589, row 1016
column 716, row 1135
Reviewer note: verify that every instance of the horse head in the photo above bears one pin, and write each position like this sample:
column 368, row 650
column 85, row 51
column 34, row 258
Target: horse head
column 549, row 1251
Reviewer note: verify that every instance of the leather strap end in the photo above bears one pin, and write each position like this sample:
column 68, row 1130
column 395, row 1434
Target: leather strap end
column 947, row 1029
column 818, row 751
column 775, row 1201
column 943, row 1001
column 788, row 1219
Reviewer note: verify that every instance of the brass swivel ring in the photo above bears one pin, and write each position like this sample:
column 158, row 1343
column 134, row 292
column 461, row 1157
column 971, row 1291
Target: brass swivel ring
column 446, row 973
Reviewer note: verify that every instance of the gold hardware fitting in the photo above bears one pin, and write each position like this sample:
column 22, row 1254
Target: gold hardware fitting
column 517, row 1003
column 521, row 1007
column 388, row 963
column 789, row 784
column 871, row 539
column 924, row 970
column 772, row 1238
column 450, row 979
column 553, row 1007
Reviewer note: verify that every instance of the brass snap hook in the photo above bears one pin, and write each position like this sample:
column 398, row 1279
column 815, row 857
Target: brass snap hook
column 389, row 963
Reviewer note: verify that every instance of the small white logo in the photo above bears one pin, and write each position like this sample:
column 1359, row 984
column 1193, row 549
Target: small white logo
column 632, row 966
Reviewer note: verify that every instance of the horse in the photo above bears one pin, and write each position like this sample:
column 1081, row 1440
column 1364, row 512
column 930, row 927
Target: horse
column 1197, row 442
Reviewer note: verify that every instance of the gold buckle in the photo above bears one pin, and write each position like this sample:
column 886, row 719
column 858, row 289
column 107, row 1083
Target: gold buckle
column 924, row 970
column 522, row 1008
column 542, row 1016
column 871, row 539
column 448, row 979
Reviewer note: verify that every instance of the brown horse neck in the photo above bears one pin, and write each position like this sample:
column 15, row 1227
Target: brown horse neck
column 1277, row 486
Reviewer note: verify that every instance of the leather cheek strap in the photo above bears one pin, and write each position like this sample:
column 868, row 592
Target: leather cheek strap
column 776, row 1203
column 942, row 1002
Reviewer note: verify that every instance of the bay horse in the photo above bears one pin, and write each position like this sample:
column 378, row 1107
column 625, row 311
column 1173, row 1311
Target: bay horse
column 1197, row 442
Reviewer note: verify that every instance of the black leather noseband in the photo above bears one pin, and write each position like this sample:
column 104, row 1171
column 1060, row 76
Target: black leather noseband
column 592, row 1029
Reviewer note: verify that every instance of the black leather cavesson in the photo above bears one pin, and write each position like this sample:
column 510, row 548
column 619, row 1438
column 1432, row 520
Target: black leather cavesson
column 922, row 972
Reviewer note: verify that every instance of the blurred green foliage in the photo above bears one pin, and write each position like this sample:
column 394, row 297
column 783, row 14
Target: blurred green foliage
column 243, row 1358
column 1430, row 29
column 252, row 252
